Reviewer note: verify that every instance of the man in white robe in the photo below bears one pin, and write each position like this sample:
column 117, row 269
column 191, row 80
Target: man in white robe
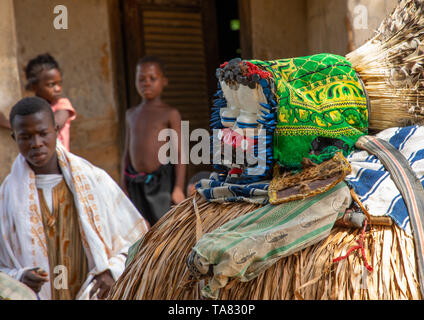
column 107, row 221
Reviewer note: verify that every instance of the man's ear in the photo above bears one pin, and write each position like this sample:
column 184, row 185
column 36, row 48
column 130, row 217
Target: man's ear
column 165, row 81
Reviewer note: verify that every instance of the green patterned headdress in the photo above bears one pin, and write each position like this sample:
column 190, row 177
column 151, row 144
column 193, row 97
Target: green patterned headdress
column 320, row 98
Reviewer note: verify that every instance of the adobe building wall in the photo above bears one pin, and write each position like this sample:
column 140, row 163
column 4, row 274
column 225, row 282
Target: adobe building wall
column 84, row 52
column 291, row 28
column 327, row 26
column 339, row 27
column 375, row 10
column 278, row 29
column 10, row 90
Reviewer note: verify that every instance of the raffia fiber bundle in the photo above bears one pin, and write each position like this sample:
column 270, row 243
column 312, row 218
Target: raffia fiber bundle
column 391, row 65
column 159, row 272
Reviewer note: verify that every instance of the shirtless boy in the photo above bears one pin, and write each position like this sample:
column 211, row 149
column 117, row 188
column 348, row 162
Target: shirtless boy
column 152, row 186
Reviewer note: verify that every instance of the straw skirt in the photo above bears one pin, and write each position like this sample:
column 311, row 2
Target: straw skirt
column 158, row 270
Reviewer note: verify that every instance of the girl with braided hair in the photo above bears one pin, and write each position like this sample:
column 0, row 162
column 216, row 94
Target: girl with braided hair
column 44, row 78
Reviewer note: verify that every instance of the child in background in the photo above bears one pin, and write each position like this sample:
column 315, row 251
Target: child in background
column 45, row 80
column 151, row 185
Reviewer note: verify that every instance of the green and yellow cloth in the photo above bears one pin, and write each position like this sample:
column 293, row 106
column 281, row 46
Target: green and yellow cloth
column 318, row 96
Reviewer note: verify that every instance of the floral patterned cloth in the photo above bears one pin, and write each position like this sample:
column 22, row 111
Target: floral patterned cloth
column 318, row 96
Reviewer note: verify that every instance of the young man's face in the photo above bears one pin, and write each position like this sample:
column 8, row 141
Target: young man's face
column 49, row 86
column 150, row 80
column 36, row 136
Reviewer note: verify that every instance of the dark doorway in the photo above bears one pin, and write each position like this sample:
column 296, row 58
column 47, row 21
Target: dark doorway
column 192, row 37
column 183, row 33
column 228, row 25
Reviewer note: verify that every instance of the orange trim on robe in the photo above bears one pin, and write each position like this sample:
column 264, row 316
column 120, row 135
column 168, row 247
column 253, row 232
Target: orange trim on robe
column 64, row 243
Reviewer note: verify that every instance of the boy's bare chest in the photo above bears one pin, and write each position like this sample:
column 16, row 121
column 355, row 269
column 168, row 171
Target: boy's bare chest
column 149, row 121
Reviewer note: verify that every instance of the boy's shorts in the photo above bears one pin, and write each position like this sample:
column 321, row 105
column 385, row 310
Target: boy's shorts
column 151, row 192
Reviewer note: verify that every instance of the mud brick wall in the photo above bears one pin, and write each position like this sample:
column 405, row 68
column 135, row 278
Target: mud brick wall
column 10, row 90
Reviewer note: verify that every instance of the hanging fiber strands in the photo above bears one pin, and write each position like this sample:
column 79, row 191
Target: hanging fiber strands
column 158, row 270
column 391, row 65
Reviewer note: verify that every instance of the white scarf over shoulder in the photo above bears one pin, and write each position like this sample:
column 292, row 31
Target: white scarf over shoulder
column 109, row 222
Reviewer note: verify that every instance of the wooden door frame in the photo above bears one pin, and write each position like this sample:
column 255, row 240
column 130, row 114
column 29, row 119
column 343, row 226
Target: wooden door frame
column 132, row 33
column 245, row 16
column 131, row 29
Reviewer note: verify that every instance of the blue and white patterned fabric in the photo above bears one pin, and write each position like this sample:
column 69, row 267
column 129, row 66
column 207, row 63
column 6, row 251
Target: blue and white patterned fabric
column 372, row 182
column 214, row 190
